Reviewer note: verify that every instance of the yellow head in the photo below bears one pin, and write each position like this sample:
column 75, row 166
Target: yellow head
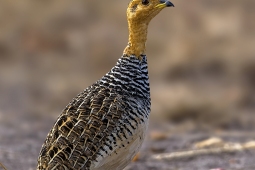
column 139, row 15
column 142, row 11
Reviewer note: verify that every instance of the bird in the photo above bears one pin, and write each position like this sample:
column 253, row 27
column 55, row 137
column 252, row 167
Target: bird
column 104, row 126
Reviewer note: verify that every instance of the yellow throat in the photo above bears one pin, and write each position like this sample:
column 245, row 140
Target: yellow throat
column 139, row 15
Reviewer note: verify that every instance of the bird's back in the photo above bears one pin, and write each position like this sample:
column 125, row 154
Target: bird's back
column 103, row 127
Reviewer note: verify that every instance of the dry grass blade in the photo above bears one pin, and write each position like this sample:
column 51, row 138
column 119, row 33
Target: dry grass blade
column 225, row 149
column 1, row 165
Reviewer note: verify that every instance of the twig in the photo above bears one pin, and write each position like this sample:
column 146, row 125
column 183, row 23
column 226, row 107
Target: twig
column 225, row 149
column 1, row 165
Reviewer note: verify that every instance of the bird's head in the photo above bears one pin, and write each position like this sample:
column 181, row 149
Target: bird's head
column 139, row 15
column 142, row 11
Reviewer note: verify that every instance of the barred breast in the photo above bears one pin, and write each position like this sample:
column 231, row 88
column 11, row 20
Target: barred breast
column 104, row 126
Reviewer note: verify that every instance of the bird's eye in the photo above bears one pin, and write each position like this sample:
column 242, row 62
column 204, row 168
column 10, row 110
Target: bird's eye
column 145, row 2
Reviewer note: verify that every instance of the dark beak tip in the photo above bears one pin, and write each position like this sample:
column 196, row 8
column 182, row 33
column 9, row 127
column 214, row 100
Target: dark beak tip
column 169, row 4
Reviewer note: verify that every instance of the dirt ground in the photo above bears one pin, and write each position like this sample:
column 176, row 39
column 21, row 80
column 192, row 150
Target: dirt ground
column 202, row 74
column 21, row 142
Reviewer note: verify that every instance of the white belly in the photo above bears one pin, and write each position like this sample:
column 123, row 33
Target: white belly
column 120, row 157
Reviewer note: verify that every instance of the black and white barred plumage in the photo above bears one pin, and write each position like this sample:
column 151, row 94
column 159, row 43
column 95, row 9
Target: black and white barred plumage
column 104, row 126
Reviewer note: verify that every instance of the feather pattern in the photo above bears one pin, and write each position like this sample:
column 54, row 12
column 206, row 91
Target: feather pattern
column 104, row 126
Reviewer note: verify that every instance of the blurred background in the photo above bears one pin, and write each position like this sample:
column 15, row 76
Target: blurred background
column 201, row 57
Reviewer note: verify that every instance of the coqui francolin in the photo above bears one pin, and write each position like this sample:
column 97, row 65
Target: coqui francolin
column 104, row 126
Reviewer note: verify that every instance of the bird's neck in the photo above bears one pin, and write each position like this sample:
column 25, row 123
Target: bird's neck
column 129, row 76
column 137, row 39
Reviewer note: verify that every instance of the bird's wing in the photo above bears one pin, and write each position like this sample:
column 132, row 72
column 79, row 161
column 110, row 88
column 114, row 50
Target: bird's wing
column 81, row 130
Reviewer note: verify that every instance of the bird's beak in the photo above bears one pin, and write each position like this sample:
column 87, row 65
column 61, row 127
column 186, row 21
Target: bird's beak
column 164, row 3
